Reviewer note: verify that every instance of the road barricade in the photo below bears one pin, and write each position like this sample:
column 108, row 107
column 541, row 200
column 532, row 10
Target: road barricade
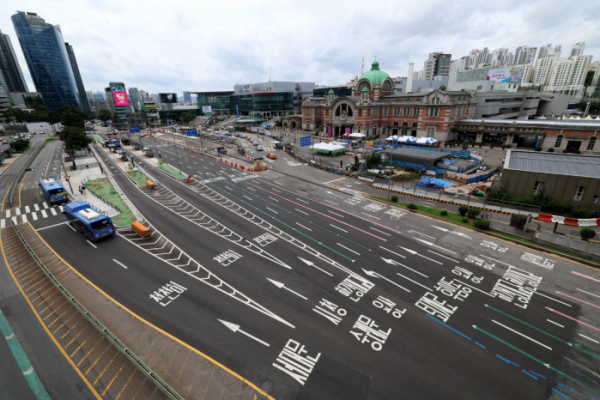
column 141, row 230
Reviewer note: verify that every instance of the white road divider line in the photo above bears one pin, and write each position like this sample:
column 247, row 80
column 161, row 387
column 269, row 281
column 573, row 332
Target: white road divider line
column 303, row 226
column 336, row 227
column 120, row 263
column 589, row 338
column 91, row 244
column 341, row 245
column 415, row 282
column 339, row 215
column 385, row 233
column 301, row 211
column 451, row 259
column 247, row 197
column 520, row 334
column 272, row 210
column 369, row 215
column 337, row 204
column 306, row 202
column 555, row 323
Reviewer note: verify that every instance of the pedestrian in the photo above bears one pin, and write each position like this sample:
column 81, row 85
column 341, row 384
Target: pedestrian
column 485, row 153
column 80, row 190
column 86, row 165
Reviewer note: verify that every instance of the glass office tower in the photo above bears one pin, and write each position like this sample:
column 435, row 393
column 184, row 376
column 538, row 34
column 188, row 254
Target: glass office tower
column 78, row 81
column 47, row 59
column 9, row 66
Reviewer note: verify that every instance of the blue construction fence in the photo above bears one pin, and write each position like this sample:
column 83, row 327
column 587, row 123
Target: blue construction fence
column 455, row 153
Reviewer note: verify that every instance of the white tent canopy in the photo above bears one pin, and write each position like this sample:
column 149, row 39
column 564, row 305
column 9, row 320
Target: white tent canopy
column 327, row 147
column 357, row 135
column 426, row 140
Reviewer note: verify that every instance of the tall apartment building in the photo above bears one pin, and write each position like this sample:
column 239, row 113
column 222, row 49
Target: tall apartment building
column 436, row 64
column 526, row 71
column 85, row 104
column 525, row 55
column 457, row 66
column 577, row 49
column 544, row 68
column 497, row 57
column 46, row 55
column 509, row 59
column 549, row 51
column 570, row 71
column 12, row 76
column 134, row 98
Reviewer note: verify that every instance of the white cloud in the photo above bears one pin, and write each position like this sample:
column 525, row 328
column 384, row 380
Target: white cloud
column 182, row 45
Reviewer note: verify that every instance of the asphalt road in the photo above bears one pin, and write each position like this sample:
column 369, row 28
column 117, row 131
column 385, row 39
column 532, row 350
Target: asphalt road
column 348, row 298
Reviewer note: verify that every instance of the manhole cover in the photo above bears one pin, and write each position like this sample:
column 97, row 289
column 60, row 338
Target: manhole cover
column 266, row 386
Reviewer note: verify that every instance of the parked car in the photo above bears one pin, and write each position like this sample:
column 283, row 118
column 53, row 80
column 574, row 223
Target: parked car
column 249, row 138
column 255, row 143
column 259, row 148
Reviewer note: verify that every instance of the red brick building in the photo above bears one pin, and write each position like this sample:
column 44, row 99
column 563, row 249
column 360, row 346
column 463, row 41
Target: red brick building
column 375, row 110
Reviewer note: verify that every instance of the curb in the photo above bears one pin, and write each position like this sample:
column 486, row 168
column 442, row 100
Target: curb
column 492, row 234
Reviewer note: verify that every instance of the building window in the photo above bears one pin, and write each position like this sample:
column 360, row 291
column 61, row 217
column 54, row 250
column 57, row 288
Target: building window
column 369, row 112
column 596, row 199
column 396, row 111
column 406, row 111
column 433, row 112
column 308, row 111
column 430, row 131
column 385, row 111
column 538, row 187
column 416, row 112
column 452, row 113
column 578, row 193
column 558, row 142
column 591, row 143
column 376, row 112
column 360, row 113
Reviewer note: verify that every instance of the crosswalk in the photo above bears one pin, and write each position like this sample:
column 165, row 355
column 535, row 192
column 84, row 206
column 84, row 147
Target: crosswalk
column 26, row 213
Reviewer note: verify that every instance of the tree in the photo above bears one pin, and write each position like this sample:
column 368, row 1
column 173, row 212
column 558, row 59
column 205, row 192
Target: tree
column 75, row 138
column 71, row 116
column 53, row 119
column 104, row 115
column 373, row 160
column 443, row 87
column 588, row 78
column 187, row 117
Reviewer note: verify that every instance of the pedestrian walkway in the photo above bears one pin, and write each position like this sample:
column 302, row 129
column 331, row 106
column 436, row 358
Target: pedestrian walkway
column 35, row 212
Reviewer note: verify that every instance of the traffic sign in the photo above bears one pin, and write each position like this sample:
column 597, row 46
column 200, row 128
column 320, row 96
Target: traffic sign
column 192, row 132
column 305, row 141
column 134, row 130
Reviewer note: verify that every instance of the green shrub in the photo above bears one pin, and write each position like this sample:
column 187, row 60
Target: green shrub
column 473, row 212
column 491, row 145
column 587, row 233
column 394, row 199
column 482, row 224
column 538, row 148
column 577, row 152
column 518, row 220
column 412, row 206
column 503, row 146
column 462, row 210
column 480, row 144
column 443, row 212
column 465, row 220
column 565, row 151
column 551, row 150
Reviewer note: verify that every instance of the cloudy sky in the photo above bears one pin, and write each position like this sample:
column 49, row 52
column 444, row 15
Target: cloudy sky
column 172, row 46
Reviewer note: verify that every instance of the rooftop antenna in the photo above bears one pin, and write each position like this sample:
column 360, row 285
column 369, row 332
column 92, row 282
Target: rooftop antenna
column 362, row 68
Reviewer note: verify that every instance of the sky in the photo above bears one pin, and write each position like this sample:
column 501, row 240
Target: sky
column 175, row 46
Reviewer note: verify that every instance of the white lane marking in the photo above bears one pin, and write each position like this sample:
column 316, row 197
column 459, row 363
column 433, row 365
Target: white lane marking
column 228, row 188
column 28, row 372
column 91, row 244
column 273, row 199
column 36, row 207
column 415, row 282
column 61, row 208
column 337, row 204
column 120, row 263
column 7, row 213
column 520, row 334
column 45, row 205
column 341, row 245
column 26, row 209
column 399, row 255
column 53, row 211
column 247, row 197
column 301, row 211
column 422, row 234
column 549, row 320
column 18, row 211
column 236, row 328
column 52, row 226
column 278, row 191
column 15, row 220
column 376, row 275
column 2, row 223
column 551, row 298
column 592, row 294
column 282, row 286
column 251, row 189
column 451, row 259
column 335, row 180
column 588, row 338
column 369, row 215
column 306, row 202
column 336, row 227
column 24, row 217
column 394, row 262
column 69, row 225
column 304, row 227
column 339, row 215
column 272, row 210
column 385, row 233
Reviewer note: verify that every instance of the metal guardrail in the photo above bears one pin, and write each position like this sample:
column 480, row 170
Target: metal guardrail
column 144, row 369
column 11, row 191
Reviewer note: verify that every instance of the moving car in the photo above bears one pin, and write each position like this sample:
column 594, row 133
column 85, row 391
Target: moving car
column 259, row 148
column 272, row 156
column 255, row 143
column 249, row 138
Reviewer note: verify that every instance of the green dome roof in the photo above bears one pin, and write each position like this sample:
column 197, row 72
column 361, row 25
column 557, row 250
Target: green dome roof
column 365, row 89
column 331, row 91
column 374, row 75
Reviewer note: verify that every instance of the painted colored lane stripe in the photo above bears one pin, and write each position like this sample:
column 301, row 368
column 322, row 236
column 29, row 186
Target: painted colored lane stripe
column 575, row 298
column 506, row 360
column 17, row 351
column 529, row 374
column 437, row 320
column 542, row 331
column 571, row 318
column 560, row 393
column 584, row 276
column 537, row 360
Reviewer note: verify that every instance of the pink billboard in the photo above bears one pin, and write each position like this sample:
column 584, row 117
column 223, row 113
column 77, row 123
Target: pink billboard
column 120, row 98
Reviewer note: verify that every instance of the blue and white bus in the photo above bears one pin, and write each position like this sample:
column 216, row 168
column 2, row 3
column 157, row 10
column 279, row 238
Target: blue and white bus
column 92, row 223
column 54, row 191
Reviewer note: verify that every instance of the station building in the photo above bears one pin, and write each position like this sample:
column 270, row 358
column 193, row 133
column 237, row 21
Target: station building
column 376, row 110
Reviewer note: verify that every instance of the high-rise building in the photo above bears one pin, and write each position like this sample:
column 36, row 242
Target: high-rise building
column 570, row 71
column 187, row 97
column 544, row 68
column 118, row 102
column 134, row 98
column 99, row 96
column 497, row 57
column 436, row 64
column 549, row 51
column 526, row 70
column 520, row 54
column 509, row 59
column 4, row 103
column 9, row 67
column 46, row 55
column 457, row 66
column 577, row 49
column 82, row 96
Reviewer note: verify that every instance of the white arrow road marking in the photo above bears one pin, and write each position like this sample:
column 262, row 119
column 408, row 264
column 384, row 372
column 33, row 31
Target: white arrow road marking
column 282, row 286
column 390, row 261
column 376, row 275
column 433, row 245
column 236, row 328
column 312, row 264
column 399, row 255
column 415, row 282
column 441, row 229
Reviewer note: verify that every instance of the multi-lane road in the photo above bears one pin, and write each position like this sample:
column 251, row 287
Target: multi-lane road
column 311, row 292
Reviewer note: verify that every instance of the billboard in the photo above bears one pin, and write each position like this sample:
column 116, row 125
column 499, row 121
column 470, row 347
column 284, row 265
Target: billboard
column 206, row 109
column 246, row 89
column 168, row 98
column 150, row 106
column 120, row 98
column 512, row 75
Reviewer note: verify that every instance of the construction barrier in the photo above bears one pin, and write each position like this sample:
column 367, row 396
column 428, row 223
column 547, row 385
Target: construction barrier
column 569, row 221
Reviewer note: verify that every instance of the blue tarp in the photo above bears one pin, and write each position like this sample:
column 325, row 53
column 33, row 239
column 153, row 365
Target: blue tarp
column 449, row 162
column 455, row 153
column 433, row 183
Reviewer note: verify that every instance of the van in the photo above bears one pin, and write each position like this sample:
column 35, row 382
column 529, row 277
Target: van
column 276, row 145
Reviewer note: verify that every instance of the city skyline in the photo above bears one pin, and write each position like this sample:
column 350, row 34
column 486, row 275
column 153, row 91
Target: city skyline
column 237, row 46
